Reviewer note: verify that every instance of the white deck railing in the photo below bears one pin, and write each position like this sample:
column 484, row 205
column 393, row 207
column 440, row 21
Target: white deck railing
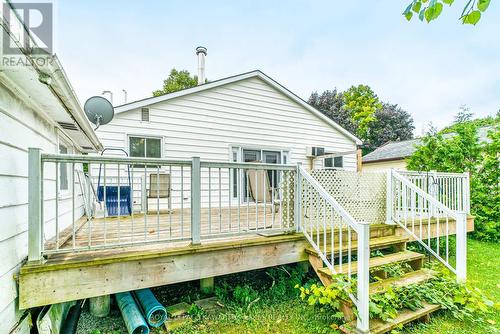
column 451, row 189
column 321, row 218
column 424, row 217
column 119, row 206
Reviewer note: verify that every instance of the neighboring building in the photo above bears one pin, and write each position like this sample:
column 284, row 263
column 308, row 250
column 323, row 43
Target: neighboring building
column 244, row 118
column 394, row 154
column 390, row 155
column 33, row 114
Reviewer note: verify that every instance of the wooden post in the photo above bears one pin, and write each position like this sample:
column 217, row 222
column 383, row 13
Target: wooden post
column 99, row 306
column 304, row 266
column 359, row 160
column 207, row 285
column 34, row 205
column 363, row 322
column 196, row 201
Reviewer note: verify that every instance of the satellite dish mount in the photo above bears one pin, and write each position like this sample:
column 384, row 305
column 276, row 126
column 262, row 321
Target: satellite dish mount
column 99, row 110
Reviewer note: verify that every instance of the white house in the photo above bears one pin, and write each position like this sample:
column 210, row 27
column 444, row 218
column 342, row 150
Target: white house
column 38, row 108
column 244, row 118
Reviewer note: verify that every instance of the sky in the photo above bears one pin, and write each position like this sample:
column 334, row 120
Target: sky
column 430, row 70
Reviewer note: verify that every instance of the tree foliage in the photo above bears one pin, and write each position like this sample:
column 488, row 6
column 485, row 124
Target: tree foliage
column 177, row 80
column 361, row 103
column 389, row 122
column 430, row 10
column 331, row 103
column 462, row 152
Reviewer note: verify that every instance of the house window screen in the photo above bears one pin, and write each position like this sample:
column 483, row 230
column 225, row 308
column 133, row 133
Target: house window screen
column 337, row 162
column 145, row 147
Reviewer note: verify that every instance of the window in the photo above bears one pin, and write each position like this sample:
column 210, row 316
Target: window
column 145, row 147
column 63, row 170
column 337, row 162
column 239, row 154
column 145, row 114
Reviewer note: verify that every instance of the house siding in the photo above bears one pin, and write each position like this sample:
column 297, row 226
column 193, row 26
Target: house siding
column 22, row 128
column 249, row 113
column 384, row 165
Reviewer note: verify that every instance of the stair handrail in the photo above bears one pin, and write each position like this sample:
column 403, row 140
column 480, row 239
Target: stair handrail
column 434, row 209
column 424, row 194
column 362, row 298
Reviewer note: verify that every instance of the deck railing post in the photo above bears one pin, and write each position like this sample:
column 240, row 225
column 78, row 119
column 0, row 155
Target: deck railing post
column 144, row 197
column 433, row 191
column 466, row 190
column 388, row 198
column 461, row 235
column 298, row 198
column 363, row 321
column 195, row 201
column 34, row 205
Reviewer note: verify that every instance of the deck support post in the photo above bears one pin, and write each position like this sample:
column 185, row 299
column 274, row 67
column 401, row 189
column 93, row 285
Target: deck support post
column 388, row 199
column 196, row 201
column 363, row 321
column 297, row 198
column 34, row 205
column 461, row 235
column 207, row 285
column 99, row 306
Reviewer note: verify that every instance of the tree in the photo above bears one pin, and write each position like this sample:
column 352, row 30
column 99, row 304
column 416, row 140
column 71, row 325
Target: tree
column 460, row 153
column 177, row 80
column 391, row 124
column 390, row 121
column 430, row 10
column 330, row 103
column 361, row 103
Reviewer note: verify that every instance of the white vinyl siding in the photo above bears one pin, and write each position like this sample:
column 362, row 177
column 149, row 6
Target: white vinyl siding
column 248, row 113
column 384, row 165
column 21, row 128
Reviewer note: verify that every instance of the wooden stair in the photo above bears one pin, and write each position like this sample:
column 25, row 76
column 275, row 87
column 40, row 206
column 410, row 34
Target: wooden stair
column 378, row 326
column 396, row 245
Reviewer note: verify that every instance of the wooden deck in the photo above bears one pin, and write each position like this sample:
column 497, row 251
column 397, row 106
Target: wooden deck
column 76, row 275
column 169, row 227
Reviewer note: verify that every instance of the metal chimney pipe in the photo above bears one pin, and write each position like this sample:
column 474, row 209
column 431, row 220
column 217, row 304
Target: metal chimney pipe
column 201, row 52
column 104, row 92
column 124, row 96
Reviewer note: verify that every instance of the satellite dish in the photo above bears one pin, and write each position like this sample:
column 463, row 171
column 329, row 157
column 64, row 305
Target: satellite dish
column 99, row 110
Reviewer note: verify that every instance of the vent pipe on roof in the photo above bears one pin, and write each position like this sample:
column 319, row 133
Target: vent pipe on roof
column 124, row 96
column 201, row 52
column 110, row 93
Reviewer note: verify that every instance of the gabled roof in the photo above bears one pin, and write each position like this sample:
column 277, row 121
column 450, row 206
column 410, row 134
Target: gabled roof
column 402, row 149
column 393, row 151
column 225, row 81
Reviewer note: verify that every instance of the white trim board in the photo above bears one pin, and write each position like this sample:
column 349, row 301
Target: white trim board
column 225, row 81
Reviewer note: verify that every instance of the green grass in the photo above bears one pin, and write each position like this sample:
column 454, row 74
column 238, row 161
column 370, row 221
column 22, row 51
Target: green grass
column 287, row 314
column 483, row 272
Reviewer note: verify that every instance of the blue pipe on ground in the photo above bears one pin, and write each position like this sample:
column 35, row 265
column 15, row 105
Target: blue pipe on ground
column 131, row 314
column 154, row 313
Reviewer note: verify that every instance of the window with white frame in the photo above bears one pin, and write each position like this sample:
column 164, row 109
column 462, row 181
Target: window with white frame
column 334, row 162
column 268, row 156
column 144, row 147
